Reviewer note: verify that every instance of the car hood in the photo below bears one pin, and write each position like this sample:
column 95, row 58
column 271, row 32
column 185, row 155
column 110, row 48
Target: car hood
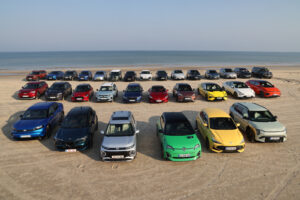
column 71, row 134
column 26, row 90
column 133, row 94
column 99, row 75
column 213, row 74
column 187, row 141
column 268, row 126
column 228, row 137
column 217, row 93
column 186, row 93
column 51, row 91
column 80, row 94
column 104, row 93
column 29, row 124
column 178, row 74
column 244, row 90
column 158, row 94
column 52, row 75
column 230, row 73
column 118, row 141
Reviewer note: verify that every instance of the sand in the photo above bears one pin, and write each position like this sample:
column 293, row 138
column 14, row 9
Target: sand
column 35, row 170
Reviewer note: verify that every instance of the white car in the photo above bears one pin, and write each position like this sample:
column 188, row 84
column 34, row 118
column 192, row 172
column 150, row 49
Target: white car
column 177, row 75
column 238, row 89
column 145, row 75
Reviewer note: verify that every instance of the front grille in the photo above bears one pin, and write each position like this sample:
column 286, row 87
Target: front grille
column 184, row 149
column 121, row 148
column 124, row 153
column 268, row 139
column 223, row 147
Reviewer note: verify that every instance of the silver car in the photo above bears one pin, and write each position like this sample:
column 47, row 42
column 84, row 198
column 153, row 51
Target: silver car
column 258, row 122
column 177, row 75
column 119, row 141
column 227, row 73
column 100, row 76
column 107, row 92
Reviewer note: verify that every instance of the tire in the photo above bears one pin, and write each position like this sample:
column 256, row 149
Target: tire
column 261, row 94
column 47, row 134
column 235, row 95
column 250, row 135
column 38, row 95
column 162, row 153
column 61, row 117
column 207, row 144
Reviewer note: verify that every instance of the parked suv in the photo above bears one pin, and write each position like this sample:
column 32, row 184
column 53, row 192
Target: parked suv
column 130, row 76
column 58, row 91
column 100, row 76
column 161, row 75
column 71, row 75
column 107, row 92
column 258, row 122
column 119, row 141
column 36, row 75
column 227, row 73
column 115, row 75
column 261, row 72
column 242, row 72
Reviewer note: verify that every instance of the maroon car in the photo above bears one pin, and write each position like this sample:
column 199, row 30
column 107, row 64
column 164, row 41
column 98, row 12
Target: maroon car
column 33, row 90
column 183, row 92
column 36, row 75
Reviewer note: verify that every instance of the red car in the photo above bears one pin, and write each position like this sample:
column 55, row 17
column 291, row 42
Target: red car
column 82, row 92
column 33, row 90
column 36, row 75
column 264, row 88
column 158, row 94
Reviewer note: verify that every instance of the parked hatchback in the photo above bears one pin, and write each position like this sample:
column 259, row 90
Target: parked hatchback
column 100, row 76
column 227, row 73
column 193, row 74
column 55, row 75
column 184, row 92
column 85, row 76
column 33, row 90
column 242, row 72
column 71, row 75
column 119, row 141
column 133, row 93
column 82, row 92
column 212, row 74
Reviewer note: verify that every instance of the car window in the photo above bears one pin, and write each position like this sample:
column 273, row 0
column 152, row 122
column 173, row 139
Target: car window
column 106, row 88
column 119, row 130
column 162, row 123
column 35, row 114
column 203, row 117
column 179, row 128
column 222, row 123
column 261, row 116
column 75, row 121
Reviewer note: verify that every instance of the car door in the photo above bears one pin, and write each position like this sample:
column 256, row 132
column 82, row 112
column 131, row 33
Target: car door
column 201, row 120
column 202, row 89
column 114, row 90
column 161, row 129
column 238, row 115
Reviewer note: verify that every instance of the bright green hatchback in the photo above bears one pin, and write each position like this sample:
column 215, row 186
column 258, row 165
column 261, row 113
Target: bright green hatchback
column 179, row 141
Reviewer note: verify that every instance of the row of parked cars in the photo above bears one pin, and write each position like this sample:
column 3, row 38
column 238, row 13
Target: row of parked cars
column 179, row 141
column 156, row 94
column 116, row 75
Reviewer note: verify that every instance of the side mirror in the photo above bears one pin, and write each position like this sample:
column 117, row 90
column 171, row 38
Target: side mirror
column 223, row 88
column 102, row 132
column 123, row 90
column 275, row 117
column 167, row 90
column 238, row 124
column 22, row 87
column 97, row 89
column 21, row 116
column 245, row 116
column 160, row 131
column 137, row 131
column 205, row 124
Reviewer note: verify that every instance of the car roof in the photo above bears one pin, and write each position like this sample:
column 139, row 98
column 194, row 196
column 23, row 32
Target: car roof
column 35, row 82
column 253, row 106
column 41, row 105
column 174, row 117
column 215, row 112
column 83, row 84
column 134, row 84
column 115, row 70
column 120, row 117
column 205, row 83
column 107, row 84
column 59, row 83
column 79, row 110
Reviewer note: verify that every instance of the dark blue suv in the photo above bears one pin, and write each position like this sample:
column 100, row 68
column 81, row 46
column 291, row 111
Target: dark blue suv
column 133, row 93
column 38, row 120
column 55, row 75
column 85, row 76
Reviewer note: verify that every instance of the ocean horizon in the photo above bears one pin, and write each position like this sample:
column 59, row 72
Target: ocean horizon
column 90, row 59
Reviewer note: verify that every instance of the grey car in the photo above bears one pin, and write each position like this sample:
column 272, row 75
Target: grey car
column 119, row 141
column 100, row 76
column 227, row 73
column 258, row 122
column 107, row 92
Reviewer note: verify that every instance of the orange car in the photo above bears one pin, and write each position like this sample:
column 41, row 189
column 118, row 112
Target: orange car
column 264, row 88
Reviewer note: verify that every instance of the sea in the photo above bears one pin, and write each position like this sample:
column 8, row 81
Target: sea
column 92, row 59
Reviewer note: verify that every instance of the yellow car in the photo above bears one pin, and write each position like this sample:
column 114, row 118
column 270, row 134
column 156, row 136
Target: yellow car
column 219, row 131
column 212, row 91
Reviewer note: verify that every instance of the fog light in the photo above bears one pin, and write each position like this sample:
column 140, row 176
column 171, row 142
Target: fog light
column 103, row 154
column 132, row 152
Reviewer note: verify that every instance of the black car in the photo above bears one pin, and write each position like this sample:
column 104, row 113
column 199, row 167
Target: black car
column 58, row 91
column 242, row 72
column 130, row 76
column 161, row 75
column 77, row 130
column 212, row 74
column 261, row 72
column 85, row 76
column 71, row 75
column 193, row 74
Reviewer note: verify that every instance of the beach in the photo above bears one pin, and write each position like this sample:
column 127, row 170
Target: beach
column 33, row 169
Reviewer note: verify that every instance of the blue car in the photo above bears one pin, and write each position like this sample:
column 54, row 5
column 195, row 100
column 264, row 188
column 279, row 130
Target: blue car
column 38, row 120
column 133, row 93
column 85, row 76
column 55, row 75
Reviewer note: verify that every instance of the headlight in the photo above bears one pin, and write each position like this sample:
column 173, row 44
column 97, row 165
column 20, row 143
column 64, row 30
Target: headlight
column 32, row 92
column 242, row 141
column 166, row 97
column 215, row 141
column 38, row 127
column 129, row 147
column 170, row 147
column 139, row 97
column 196, row 146
column 150, row 97
column 240, row 93
column 180, row 94
column 87, row 95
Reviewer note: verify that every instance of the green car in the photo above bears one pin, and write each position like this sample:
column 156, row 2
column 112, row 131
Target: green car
column 179, row 141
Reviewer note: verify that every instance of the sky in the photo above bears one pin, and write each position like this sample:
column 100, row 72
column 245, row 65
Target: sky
column 87, row 25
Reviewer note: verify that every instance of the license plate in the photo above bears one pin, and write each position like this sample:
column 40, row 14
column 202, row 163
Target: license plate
column 158, row 100
column 117, row 156
column 219, row 98
column 132, row 100
column 25, row 136
column 184, row 155
column 187, row 98
column 52, row 97
column 50, row 77
column 70, row 150
column 274, row 138
column 230, row 148
column 25, row 96
column 80, row 98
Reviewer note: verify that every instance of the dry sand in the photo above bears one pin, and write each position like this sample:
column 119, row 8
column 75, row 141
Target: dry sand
column 34, row 170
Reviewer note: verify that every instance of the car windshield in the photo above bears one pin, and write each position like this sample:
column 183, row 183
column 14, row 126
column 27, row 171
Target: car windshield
column 179, row 128
column 228, row 70
column 162, row 73
column 213, row 87
column 130, row 73
column 55, row 72
column 57, row 87
column 178, row 72
column 69, row 73
column 82, row 88
column 243, row 70
column 119, row 130
column 212, row 71
column 35, row 114
column 185, row 88
column 35, row 73
column 84, row 73
column 145, row 72
column 261, row 116
column 266, row 84
column 31, row 86
column 222, row 123
column 99, row 73
column 133, row 89
column 115, row 73
column 264, row 70
column 239, row 85
column 158, row 89
column 75, row 121
column 106, row 88
column 195, row 72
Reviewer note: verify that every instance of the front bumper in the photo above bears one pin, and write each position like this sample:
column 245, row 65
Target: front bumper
column 104, row 98
column 51, row 78
column 157, row 100
column 107, row 155
column 181, row 155
column 83, row 78
column 272, row 94
column 214, row 98
column 99, row 78
column 80, row 98
column 145, row 78
column 53, row 97
column 186, row 99
column 279, row 136
column 178, row 77
column 132, row 100
column 80, row 145
column 21, row 134
column 27, row 96
column 218, row 148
